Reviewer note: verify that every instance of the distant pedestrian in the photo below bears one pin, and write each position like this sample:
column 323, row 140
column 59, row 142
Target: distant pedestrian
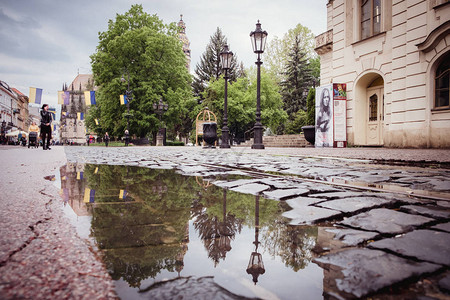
column 127, row 137
column 46, row 128
column 106, row 139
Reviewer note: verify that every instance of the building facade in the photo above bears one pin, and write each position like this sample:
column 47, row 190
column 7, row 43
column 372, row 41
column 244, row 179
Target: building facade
column 13, row 109
column 394, row 56
column 72, row 128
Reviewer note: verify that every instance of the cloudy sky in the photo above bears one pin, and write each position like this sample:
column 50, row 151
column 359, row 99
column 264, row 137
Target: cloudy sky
column 46, row 43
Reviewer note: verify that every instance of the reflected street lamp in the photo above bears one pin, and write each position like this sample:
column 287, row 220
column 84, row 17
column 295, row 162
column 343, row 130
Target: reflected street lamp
column 225, row 56
column 255, row 265
column 160, row 108
column 258, row 38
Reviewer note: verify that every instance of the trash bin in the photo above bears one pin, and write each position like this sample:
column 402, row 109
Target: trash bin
column 209, row 134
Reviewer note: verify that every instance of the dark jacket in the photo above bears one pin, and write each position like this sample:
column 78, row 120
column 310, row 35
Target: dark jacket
column 46, row 117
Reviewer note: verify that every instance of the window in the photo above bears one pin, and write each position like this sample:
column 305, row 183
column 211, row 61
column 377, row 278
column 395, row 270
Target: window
column 370, row 18
column 442, row 82
column 373, row 107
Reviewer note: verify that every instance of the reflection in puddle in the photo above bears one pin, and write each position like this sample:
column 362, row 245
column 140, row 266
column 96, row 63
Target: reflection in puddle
column 158, row 229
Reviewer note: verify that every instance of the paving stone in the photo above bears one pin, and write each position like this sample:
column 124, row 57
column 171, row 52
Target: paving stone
column 366, row 271
column 353, row 204
column 443, row 203
column 301, row 202
column 444, row 283
column 303, row 213
column 443, row 227
column 235, row 183
column 353, row 237
column 385, row 221
column 336, row 195
column 433, row 245
column 252, row 188
column 281, row 194
column 428, row 211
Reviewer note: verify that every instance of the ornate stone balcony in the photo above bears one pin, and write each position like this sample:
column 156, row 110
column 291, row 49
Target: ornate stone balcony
column 324, row 42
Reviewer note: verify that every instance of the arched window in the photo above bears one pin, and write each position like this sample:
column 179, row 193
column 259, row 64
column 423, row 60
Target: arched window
column 442, row 83
column 370, row 18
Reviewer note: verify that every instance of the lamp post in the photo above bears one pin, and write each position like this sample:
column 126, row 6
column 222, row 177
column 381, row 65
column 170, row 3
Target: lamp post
column 129, row 95
column 225, row 56
column 258, row 38
column 160, row 108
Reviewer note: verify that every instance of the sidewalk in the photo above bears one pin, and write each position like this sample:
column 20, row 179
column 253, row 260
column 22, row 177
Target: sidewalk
column 41, row 256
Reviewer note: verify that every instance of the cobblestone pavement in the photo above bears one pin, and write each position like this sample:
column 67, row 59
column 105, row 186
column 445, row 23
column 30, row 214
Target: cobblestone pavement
column 388, row 223
column 378, row 220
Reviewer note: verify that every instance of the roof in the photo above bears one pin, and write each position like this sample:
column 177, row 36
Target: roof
column 82, row 79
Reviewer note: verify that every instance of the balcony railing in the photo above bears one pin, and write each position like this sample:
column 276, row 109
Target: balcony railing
column 324, row 42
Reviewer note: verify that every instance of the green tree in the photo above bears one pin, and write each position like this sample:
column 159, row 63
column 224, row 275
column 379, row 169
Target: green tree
column 277, row 50
column 210, row 68
column 147, row 52
column 297, row 79
column 242, row 103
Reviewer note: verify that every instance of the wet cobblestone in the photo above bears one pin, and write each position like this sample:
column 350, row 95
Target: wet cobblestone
column 365, row 205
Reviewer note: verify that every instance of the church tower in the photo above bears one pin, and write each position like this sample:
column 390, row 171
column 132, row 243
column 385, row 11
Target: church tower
column 183, row 38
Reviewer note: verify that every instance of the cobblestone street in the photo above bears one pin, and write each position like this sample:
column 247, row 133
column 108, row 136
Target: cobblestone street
column 383, row 222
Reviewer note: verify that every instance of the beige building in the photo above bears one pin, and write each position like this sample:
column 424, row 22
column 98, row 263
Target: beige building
column 394, row 56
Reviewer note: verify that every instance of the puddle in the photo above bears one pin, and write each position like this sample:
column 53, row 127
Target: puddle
column 163, row 235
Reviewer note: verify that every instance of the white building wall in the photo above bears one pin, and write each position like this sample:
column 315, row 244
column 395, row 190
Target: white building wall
column 409, row 118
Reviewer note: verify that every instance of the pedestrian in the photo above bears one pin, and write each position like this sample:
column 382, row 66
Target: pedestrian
column 106, row 139
column 127, row 137
column 46, row 128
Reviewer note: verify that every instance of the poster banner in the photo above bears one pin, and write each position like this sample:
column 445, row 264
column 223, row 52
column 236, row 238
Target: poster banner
column 324, row 116
column 340, row 115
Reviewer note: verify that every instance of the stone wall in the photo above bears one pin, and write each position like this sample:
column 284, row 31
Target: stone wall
column 288, row 140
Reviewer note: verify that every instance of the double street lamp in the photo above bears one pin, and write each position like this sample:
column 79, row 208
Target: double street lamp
column 226, row 57
column 258, row 38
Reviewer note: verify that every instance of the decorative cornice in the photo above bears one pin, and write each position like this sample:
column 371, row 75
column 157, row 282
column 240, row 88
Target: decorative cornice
column 434, row 37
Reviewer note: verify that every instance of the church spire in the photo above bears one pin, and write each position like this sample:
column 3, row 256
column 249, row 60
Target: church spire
column 183, row 38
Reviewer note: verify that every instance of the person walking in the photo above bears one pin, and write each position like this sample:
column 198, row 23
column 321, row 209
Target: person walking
column 127, row 137
column 106, row 139
column 46, row 128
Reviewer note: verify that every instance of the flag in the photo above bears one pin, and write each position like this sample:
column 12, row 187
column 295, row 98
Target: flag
column 80, row 116
column 96, row 121
column 52, row 110
column 35, row 95
column 123, row 99
column 79, row 175
column 89, row 97
column 89, row 196
column 123, row 194
column 66, row 97
column 96, row 170
column 60, row 97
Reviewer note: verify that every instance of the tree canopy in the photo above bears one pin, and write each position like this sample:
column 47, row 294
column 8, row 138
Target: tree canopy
column 210, row 67
column 147, row 53
column 241, row 99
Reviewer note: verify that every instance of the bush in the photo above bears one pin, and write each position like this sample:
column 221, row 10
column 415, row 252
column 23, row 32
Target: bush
column 174, row 143
column 295, row 126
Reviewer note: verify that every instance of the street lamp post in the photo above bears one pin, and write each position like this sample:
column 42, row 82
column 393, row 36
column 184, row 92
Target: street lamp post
column 160, row 108
column 129, row 95
column 225, row 57
column 258, row 38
